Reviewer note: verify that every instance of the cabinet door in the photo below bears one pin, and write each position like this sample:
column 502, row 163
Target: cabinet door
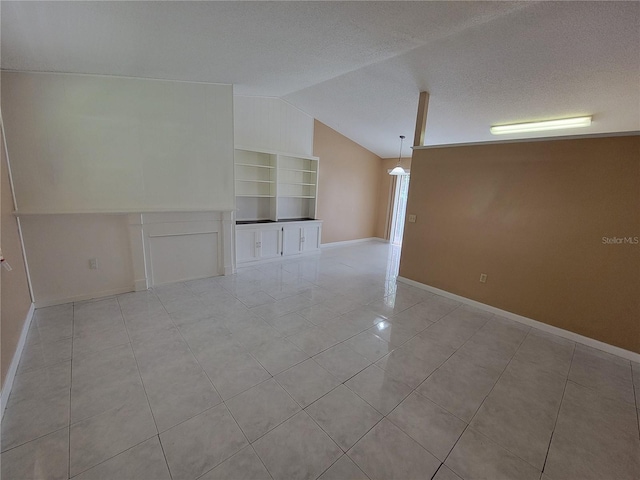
column 270, row 242
column 246, row 248
column 310, row 238
column 291, row 240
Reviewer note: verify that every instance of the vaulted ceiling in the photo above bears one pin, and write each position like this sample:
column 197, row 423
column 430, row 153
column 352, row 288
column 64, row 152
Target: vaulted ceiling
column 359, row 66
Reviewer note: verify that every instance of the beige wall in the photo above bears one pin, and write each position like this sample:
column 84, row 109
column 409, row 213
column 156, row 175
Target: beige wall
column 348, row 186
column 15, row 301
column 270, row 123
column 531, row 216
column 385, row 195
column 82, row 143
column 85, row 143
column 59, row 249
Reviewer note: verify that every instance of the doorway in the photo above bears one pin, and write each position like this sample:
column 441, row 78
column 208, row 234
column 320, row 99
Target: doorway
column 399, row 211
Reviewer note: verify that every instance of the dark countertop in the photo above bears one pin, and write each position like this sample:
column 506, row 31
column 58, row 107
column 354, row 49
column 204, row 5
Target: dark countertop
column 250, row 222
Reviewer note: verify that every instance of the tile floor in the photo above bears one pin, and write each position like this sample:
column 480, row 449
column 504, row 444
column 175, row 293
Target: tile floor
column 319, row 367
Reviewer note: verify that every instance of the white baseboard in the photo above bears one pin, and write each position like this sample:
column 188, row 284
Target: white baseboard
column 13, row 368
column 590, row 342
column 346, row 243
column 79, row 298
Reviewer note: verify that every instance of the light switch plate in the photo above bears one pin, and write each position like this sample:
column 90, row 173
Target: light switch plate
column 412, row 219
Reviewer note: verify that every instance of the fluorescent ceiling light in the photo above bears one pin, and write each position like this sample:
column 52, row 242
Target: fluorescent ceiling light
column 542, row 126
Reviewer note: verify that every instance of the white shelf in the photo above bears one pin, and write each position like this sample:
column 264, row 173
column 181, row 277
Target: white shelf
column 275, row 185
column 297, row 170
column 255, row 196
column 252, row 165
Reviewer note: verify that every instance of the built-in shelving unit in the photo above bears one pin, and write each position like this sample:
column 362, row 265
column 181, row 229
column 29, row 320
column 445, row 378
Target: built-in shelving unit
column 275, row 186
column 255, row 183
column 276, row 199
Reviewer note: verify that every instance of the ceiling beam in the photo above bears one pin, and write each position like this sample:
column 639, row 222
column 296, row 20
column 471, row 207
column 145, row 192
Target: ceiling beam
column 421, row 121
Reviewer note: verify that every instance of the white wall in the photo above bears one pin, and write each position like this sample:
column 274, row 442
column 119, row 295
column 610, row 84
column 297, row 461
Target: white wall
column 82, row 143
column 58, row 251
column 272, row 124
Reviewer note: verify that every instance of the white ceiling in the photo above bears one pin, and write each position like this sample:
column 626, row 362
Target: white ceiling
column 359, row 66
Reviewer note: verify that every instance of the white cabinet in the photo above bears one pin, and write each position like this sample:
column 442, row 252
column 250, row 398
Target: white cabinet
column 270, row 242
column 311, row 237
column 276, row 202
column 246, row 249
column 291, row 240
column 257, row 242
column 300, row 238
column 254, row 243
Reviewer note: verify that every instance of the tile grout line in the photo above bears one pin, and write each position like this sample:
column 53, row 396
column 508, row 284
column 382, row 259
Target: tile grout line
column 190, row 351
column 73, row 327
column 111, row 458
column 553, row 431
column 344, row 453
column 487, row 396
column 383, row 416
column 445, row 361
column 302, row 409
column 207, row 375
column 222, row 400
column 440, row 467
column 38, row 369
column 327, row 433
column 636, row 391
column 256, row 454
column 34, row 439
column 135, row 358
column 95, row 415
column 249, row 443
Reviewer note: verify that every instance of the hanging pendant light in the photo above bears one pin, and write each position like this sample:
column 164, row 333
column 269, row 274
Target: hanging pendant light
column 398, row 170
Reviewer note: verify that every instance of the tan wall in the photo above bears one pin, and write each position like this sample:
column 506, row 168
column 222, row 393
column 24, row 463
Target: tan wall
column 348, row 186
column 385, row 195
column 532, row 216
column 15, row 298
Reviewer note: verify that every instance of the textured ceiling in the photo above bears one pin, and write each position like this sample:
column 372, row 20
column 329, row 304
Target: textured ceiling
column 359, row 66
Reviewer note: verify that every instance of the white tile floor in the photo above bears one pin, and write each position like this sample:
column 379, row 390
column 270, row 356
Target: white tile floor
column 316, row 367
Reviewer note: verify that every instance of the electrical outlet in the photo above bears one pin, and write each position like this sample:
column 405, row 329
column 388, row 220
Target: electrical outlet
column 93, row 263
column 412, row 219
column 483, row 278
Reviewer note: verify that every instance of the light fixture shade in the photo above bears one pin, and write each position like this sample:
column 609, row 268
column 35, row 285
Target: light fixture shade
column 559, row 124
column 398, row 170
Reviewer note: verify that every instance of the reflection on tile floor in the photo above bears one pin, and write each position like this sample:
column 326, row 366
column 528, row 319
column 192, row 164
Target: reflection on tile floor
column 318, row 367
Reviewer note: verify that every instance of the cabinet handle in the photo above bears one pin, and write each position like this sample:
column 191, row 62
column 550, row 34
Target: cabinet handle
column 302, row 239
